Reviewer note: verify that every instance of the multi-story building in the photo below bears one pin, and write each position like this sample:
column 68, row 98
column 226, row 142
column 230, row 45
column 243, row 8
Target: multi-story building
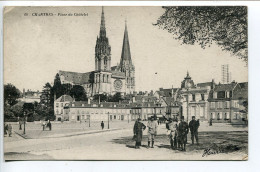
column 30, row 96
column 59, row 110
column 226, row 103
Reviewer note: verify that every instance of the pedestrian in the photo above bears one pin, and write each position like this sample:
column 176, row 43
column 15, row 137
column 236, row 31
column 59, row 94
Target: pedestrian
column 102, row 125
column 210, row 122
column 183, row 130
column 173, row 135
column 43, row 125
column 152, row 131
column 20, row 124
column 5, row 129
column 10, row 128
column 138, row 132
column 158, row 122
column 194, row 126
column 49, row 124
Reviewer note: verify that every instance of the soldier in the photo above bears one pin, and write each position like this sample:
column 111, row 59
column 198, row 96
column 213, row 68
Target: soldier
column 138, row 132
column 183, row 130
column 210, row 122
column 152, row 131
column 194, row 125
column 173, row 135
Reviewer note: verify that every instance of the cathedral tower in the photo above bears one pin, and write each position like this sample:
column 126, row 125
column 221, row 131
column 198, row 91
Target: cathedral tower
column 126, row 64
column 103, row 49
column 102, row 75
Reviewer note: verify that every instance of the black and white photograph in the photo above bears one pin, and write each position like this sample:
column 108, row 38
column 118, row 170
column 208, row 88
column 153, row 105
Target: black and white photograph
column 125, row 83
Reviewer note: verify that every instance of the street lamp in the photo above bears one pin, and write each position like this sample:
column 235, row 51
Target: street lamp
column 107, row 120
column 188, row 87
column 24, row 121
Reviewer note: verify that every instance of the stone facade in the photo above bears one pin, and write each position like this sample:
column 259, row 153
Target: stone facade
column 106, row 79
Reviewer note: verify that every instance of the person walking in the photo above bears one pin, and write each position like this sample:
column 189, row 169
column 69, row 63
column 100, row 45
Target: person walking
column 49, row 123
column 102, row 125
column 10, row 128
column 210, row 122
column 183, row 130
column 138, row 133
column 194, row 125
column 152, row 131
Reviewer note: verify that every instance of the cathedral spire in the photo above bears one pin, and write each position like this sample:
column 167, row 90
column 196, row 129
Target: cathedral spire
column 102, row 24
column 126, row 54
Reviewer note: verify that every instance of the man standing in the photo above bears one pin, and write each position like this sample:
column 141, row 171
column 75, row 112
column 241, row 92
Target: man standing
column 183, row 130
column 138, row 133
column 10, row 128
column 152, row 131
column 102, row 125
column 194, row 125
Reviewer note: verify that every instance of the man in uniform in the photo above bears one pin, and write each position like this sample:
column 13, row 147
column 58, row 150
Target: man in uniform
column 152, row 131
column 138, row 132
column 183, row 130
column 102, row 125
column 173, row 135
column 194, row 125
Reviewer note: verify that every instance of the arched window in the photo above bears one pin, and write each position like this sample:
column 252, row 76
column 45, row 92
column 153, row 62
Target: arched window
column 105, row 61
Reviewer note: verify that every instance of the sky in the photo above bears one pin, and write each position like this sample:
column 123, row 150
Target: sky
column 37, row 47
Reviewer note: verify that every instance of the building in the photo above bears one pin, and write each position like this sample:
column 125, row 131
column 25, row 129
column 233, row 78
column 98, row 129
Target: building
column 59, row 110
column 30, row 96
column 226, row 103
column 106, row 79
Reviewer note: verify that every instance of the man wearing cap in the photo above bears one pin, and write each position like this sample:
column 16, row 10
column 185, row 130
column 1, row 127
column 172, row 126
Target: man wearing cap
column 152, row 131
column 194, row 125
column 183, row 130
column 138, row 132
column 173, row 135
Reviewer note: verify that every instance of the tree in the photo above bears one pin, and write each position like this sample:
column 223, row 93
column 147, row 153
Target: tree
column 46, row 94
column 79, row 93
column 11, row 94
column 101, row 97
column 57, row 87
column 116, row 97
column 224, row 25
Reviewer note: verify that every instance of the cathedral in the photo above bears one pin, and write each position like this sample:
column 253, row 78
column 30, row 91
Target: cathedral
column 106, row 79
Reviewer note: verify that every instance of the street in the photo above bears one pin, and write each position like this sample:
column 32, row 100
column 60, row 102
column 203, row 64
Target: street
column 218, row 142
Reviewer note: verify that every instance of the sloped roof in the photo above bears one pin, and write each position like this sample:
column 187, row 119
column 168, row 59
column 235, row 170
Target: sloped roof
column 64, row 98
column 204, row 84
column 75, row 77
column 168, row 100
column 225, row 87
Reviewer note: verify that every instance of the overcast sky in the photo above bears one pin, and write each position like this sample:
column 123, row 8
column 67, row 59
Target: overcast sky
column 35, row 48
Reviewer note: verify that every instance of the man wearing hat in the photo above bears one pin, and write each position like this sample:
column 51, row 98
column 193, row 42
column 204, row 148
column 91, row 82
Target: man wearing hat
column 194, row 125
column 183, row 130
column 138, row 132
column 152, row 131
column 173, row 135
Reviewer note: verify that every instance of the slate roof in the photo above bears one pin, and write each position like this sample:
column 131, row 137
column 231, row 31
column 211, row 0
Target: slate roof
column 75, row 77
column 225, row 87
column 205, row 84
column 64, row 98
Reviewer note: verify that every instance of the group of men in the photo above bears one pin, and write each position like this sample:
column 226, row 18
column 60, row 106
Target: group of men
column 139, row 127
column 179, row 131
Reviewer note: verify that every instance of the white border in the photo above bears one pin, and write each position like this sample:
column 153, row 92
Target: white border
column 253, row 164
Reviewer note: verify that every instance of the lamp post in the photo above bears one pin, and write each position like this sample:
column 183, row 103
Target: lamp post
column 24, row 121
column 108, row 120
column 188, row 87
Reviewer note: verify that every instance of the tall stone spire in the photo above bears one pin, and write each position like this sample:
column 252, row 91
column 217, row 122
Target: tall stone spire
column 126, row 54
column 102, row 32
column 103, row 49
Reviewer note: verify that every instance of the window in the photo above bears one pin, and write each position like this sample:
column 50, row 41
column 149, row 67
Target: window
column 218, row 116
column 220, row 105
column 61, row 104
column 202, row 96
column 57, row 104
column 212, row 105
column 61, row 111
column 212, row 115
column 221, row 94
column 193, row 97
column 228, row 104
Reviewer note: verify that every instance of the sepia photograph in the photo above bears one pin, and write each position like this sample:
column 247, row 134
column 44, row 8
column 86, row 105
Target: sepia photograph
column 125, row 83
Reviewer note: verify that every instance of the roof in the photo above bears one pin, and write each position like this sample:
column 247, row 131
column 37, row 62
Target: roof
column 75, row 77
column 225, row 87
column 241, row 92
column 243, row 85
column 142, row 98
column 167, row 92
column 168, row 100
column 118, row 74
column 64, row 98
column 205, row 84
column 126, row 54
